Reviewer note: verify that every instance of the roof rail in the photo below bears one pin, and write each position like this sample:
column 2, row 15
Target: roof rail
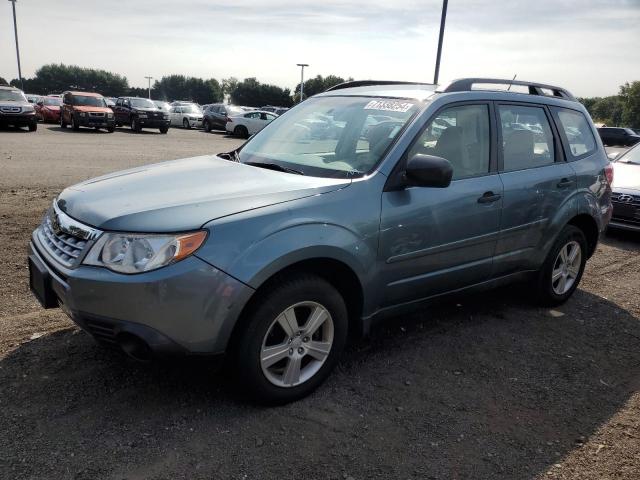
column 466, row 84
column 367, row 83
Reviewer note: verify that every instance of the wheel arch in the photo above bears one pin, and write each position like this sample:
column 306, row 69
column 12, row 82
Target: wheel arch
column 589, row 227
column 336, row 272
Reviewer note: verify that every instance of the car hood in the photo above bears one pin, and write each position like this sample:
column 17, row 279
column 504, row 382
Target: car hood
column 54, row 108
column 626, row 175
column 86, row 108
column 183, row 195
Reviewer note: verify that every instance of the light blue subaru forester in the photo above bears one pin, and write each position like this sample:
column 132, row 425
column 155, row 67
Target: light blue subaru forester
column 358, row 204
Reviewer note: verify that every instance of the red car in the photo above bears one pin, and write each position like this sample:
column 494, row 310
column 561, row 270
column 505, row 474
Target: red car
column 48, row 109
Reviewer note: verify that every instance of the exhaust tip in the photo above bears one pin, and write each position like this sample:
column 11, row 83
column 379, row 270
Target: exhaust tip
column 134, row 347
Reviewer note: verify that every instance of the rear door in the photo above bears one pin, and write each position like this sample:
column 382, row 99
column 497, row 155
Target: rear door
column 537, row 182
column 434, row 240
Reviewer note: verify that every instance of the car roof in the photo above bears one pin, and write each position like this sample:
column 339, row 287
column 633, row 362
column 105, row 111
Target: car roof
column 413, row 91
column 85, row 94
column 9, row 87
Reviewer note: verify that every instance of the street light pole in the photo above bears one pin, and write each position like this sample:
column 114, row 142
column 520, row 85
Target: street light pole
column 302, row 65
column 149, row 80
column 15, row 30
column 443, row 18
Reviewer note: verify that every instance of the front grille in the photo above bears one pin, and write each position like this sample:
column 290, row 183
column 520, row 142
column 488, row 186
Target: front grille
column 96, row 114
column 10, row 109
column 626, row 199
column 66, row 248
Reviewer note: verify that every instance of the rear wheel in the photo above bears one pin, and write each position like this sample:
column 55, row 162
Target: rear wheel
column 241, row 131
column 186, row 124
column 292, row 340
column 563, row 267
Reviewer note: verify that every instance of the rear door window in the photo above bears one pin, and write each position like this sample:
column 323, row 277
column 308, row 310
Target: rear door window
column 577, row 131
column 527, row 138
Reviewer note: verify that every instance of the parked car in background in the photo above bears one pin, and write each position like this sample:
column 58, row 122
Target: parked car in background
column 111, row 101
column 16, row 110
column 86, row 109
column 48, row 109
column 277, row 110
column 140, row 113
column 215, row 117
column 186, row 115
column 162, row 105
column 626, row 190
column 618, row 136
column 250, row 123
column 32, row 98
column 274, row 252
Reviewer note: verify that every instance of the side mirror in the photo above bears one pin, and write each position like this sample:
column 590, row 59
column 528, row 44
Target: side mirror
column 428, row 171
column 613, row 155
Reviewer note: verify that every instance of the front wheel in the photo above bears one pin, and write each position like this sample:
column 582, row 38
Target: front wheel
column 207, row 126
column 292, row 339
column 186, row 124
column 563, row 267
column 33, row 126
column 63, row 124
column 111, row 129
column 74, row 123
column 164, row 129
column 135, row 125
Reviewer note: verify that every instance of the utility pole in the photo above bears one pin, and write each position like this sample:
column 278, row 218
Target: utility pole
column 15, row 30
column 443, row 18
column 149, row 80
column 302, row 65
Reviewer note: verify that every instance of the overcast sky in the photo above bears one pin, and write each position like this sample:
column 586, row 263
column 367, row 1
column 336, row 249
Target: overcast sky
column 589, row 47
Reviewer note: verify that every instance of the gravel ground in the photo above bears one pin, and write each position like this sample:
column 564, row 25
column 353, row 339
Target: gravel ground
column 481, row 387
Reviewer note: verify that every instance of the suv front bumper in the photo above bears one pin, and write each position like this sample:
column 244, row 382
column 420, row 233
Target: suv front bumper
column 100, row 122
column 19, row 119
column 187, row 307
column 153, row 122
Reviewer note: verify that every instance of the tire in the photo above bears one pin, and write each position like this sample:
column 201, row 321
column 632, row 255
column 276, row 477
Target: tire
column 111, row 129
column 33, row 126
column 241, row 131
column 164, row 129
column 135, row 126
column 186, row 124
column 63, row 124
column 207, row 126
column 277, row 383
column 74, row 123
column 552, row 292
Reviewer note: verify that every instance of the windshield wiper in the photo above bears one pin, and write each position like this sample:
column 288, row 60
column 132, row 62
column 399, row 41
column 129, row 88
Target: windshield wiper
column 232, row 156
column 274, row 166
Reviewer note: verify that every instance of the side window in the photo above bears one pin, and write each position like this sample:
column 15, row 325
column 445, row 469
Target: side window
column 67, row 99
column 527, row 139
column 461, row 135
column 125, row 103
column 577, row 131
column 119, row 102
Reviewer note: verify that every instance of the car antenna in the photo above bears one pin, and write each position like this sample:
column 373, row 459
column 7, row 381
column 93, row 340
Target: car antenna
column 514, row 77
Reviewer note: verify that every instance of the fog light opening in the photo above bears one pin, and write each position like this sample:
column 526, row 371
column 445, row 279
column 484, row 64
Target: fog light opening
column 134, row 347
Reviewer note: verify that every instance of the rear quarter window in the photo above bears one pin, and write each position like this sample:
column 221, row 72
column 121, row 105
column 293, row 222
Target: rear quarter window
column 578, row 135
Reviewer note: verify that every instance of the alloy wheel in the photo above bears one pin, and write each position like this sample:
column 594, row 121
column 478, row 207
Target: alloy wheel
column 297, row 344
column 566, row 267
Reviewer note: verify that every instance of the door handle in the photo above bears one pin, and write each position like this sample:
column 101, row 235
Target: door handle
column 489, row 197
column 565, row 182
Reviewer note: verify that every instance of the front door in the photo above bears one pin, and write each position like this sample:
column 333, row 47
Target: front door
column 436, row 240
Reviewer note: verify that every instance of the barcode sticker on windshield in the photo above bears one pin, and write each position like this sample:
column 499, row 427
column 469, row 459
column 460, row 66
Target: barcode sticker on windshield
column 388, row 106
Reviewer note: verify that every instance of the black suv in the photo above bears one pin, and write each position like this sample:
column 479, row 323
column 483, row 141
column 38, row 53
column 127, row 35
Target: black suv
column 140, row 113
column 618, row 136
column 215, row 116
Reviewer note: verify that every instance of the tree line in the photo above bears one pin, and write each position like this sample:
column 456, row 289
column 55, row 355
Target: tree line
column 56, row 78
column 622, row 110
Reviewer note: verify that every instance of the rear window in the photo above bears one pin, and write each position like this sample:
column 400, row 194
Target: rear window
column 577, row 131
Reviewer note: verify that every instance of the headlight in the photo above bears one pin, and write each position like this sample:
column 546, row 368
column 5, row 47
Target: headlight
column 139, row 252
column 165, row 116
column 83, row 114
column 109, row 115
column 28, row 109
column 142, row 115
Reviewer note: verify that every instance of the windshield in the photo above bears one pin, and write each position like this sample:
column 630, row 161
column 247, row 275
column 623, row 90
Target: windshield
column 142, row 103
column 81, row 100
column 190, row 109
column 12, row 95
column 632, row 156
column 52, row 100
column 163, row 105
column 331, row 136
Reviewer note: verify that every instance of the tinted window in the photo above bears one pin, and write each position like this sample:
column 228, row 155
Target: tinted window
column 527, row 141
column 459, row 134
column 577, row 131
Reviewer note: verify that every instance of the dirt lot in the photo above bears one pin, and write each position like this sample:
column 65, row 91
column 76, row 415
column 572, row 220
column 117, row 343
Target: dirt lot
column 487, row 387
